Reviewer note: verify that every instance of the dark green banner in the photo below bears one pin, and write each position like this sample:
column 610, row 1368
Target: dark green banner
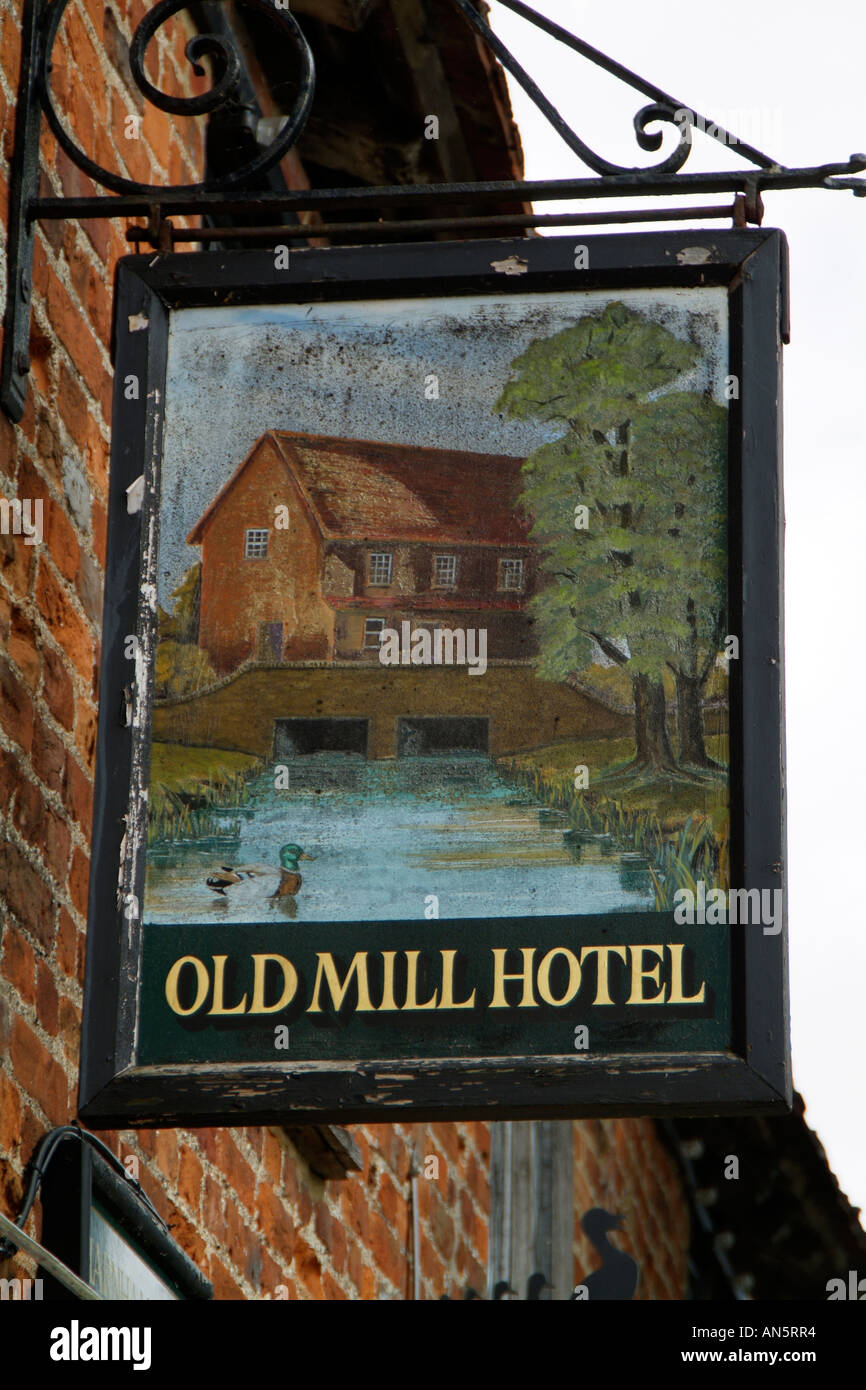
column 507, row 987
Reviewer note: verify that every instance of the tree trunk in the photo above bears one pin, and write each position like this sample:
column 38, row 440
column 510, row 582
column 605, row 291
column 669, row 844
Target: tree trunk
column 691, row 683
column 690, row 721
column 650, row 724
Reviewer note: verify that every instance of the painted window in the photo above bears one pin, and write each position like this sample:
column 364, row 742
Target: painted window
column 511, row 575
column 444, row 571
column 381, row 568
column 255, row 544
column 373, row 628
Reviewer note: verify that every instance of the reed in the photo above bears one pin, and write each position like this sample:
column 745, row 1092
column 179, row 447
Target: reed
column 191, row 812
column 677, row 856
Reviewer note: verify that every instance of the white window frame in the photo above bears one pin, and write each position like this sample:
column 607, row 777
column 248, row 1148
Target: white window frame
column 507, row 574
column 451, row 582
column 374, row 646
column 254, row 537
column 380, row 555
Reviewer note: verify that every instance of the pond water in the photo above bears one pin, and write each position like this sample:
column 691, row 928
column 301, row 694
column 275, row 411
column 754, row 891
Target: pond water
column 387, row 835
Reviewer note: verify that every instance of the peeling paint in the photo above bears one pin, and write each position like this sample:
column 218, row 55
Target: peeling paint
column 138, row 322
column 695, row 255
column 512, row 265
column 135, row 495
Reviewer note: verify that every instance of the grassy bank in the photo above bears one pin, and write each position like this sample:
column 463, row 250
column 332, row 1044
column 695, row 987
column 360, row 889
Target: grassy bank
column 681, row 831
column 673, row 802
column 188, row 786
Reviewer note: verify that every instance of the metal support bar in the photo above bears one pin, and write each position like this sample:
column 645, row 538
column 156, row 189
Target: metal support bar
column 62, row 1273
column 23, row 183
column 430, row 225
column 230, row 196
column 543, row 190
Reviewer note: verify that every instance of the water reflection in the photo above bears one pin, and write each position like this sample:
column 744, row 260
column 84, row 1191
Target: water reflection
column 386, row 836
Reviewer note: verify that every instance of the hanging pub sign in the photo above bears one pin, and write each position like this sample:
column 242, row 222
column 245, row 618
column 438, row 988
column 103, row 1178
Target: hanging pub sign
column 440, row 744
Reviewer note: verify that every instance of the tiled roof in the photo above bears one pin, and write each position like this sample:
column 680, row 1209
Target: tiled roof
column 363, row 490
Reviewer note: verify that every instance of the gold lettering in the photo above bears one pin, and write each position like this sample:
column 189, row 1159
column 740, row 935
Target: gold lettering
column 602, row 994
column 638, row 975
column 412, row 985
column 544, row 976
column 676, row 994
column 328, row 969
column 448, row 1001
column 171, row 981
column 499, row 977
column 388, row 1000
column 290, row 984
column 219, row 965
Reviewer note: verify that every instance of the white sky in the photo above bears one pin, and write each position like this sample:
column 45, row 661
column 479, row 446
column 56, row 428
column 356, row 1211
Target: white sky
column 787, row 76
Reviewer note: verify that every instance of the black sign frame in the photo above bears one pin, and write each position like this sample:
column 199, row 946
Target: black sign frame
column 754, row 1075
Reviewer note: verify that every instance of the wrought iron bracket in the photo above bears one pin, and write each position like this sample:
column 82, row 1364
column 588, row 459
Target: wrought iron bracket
column 233, row 194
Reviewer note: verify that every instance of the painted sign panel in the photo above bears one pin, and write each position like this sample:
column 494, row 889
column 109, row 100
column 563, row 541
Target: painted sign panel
column 117, row 1270
column 437, row 714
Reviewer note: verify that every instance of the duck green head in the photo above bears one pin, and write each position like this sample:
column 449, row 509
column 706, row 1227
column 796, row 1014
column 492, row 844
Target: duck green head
column 290, row 854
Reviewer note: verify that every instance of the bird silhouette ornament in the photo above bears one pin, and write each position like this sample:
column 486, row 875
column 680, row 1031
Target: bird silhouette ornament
column 618, row 1277
column 616, row 1280
column 504, row 1293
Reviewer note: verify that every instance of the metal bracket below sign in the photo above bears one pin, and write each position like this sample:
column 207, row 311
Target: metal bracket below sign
column 61, row 1272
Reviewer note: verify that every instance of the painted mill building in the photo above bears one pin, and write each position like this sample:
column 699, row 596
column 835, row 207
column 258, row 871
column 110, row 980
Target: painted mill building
column 314, row 550
column 372, row 535
column 311, row 1212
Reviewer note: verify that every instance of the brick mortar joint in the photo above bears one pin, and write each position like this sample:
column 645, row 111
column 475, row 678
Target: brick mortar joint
column 30, row 604
column 65, row 736
column 26, row 850
column 82, row 689
column 49, row 957
column 68, row 586
column 29, row 450
column 28, row 1013
column 43, row 321
column 51, row 798
column 61, row 263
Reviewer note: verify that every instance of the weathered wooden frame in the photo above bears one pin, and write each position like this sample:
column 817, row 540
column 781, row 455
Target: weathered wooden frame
column 755, row 1074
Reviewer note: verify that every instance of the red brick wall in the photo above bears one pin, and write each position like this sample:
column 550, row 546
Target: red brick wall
column 243, row 1203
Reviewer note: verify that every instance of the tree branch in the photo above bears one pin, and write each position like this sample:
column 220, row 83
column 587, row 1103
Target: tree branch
column 606, row 647
column 708, row 666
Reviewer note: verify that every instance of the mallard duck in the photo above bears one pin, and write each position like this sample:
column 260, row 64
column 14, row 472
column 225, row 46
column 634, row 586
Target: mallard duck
column 290, row 878
column 227, row 875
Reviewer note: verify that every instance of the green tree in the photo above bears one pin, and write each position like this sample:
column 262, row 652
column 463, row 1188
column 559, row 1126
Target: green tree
column 634, row 458
column 181, row 625
column 687, row 433
column 182, row 668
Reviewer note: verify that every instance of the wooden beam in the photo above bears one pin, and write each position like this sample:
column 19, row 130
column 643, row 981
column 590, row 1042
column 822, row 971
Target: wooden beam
column 417, row 34
column 330, row 1150
column 352, row 149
